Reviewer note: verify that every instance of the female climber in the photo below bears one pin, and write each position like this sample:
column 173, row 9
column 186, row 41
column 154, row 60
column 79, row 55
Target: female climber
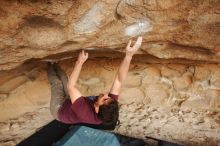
column 69, row 106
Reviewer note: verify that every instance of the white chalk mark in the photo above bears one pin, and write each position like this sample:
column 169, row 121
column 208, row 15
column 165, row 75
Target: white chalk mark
column 138, row 28
column 130, row 2
column 91, row 20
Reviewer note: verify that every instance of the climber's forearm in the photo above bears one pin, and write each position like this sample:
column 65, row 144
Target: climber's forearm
column 123, row 68
column 121, row 75
column 73, row 91
column 75, row 74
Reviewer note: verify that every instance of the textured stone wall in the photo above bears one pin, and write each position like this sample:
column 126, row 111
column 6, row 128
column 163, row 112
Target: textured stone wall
column 172, row 91
column 170, row 28
column 174, row 102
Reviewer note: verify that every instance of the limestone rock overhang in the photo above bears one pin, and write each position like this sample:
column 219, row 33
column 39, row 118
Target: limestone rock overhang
column 170, row 29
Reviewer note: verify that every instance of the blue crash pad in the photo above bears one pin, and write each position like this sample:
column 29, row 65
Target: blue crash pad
column 85, row 136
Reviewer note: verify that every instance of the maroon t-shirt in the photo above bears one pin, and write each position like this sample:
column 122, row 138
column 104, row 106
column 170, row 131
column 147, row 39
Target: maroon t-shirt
column 81, row 111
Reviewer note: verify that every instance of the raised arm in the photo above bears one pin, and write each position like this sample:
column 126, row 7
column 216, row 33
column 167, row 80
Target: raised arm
column 73, row 91
column 124, row 66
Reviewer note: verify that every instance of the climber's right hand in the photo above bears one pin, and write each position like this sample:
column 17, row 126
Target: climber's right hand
column 131, row 50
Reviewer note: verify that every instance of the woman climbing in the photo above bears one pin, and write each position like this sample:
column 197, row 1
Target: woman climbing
column 69, row 106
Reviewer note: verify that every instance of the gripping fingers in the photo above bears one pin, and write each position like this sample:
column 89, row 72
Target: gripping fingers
column 129, row 44
column 138, row 42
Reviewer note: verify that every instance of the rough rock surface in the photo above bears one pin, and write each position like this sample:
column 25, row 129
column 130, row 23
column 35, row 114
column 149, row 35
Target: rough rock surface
column 172, row 91
column 171, row 29
column 154, row 104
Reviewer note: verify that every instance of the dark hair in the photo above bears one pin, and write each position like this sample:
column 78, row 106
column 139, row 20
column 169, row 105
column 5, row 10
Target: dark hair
column 108, row 114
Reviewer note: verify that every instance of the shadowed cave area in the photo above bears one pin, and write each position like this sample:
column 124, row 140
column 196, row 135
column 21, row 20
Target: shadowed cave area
column 171, row 95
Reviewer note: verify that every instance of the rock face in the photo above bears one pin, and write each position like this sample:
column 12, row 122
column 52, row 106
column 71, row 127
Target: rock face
column 174, row 102
column 172, row 91
column 171, row 29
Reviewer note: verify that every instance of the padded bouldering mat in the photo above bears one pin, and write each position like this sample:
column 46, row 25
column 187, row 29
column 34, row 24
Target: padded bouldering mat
column 85, row 136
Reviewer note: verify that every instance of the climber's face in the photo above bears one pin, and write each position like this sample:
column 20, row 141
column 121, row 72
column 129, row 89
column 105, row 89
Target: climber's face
column 104, row 99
